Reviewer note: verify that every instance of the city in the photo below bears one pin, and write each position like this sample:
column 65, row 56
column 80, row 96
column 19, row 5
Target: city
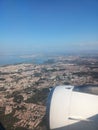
column 24, row 88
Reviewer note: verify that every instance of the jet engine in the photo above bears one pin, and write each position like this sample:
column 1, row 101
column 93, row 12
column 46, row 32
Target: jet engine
column 73, row 108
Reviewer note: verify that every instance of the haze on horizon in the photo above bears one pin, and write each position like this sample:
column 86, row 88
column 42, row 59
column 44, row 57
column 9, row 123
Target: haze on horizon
column 48, row 25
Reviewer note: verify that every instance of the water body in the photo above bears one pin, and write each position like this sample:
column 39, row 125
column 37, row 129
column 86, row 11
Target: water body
column 13, row 59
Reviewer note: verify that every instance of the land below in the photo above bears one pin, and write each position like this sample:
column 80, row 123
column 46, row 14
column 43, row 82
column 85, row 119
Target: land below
column 24, row 88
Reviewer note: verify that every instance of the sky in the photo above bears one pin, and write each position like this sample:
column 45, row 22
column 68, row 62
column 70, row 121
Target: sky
column 48, row 25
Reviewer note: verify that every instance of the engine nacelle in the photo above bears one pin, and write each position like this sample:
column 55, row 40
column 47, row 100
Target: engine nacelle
column 73, row 108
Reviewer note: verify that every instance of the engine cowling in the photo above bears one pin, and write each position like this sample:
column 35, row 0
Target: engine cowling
column 72, row 108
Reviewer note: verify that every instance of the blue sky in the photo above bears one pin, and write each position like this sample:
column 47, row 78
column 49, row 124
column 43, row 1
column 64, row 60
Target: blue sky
column 48, row 25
